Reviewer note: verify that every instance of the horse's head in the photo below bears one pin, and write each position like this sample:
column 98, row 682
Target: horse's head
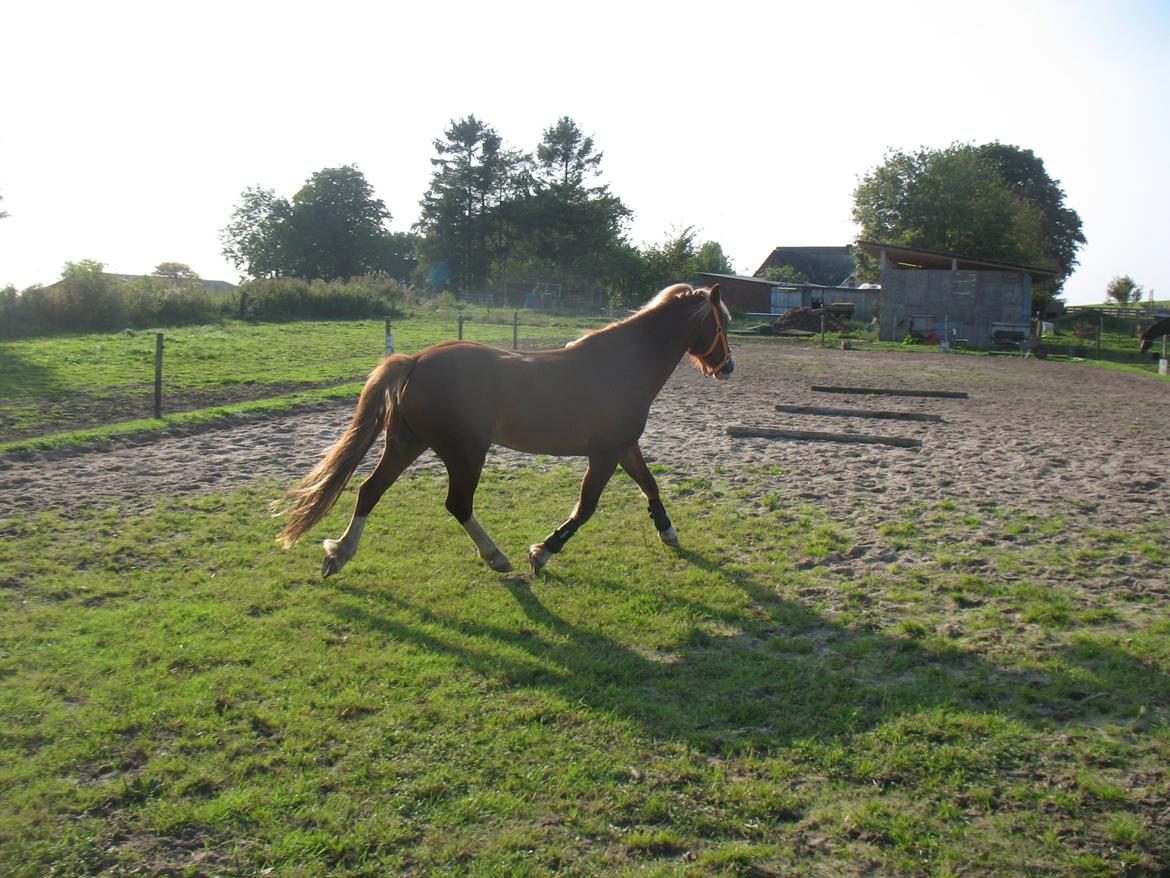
column 711, row 350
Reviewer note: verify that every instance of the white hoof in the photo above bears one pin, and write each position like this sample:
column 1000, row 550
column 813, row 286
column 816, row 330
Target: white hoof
column 669, row 536
column 498, row 562
column 335, row 558
column 538, row 556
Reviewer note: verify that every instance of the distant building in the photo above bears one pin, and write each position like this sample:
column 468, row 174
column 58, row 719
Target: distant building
column 933, row 292
column 213, row 286
column 755, row 295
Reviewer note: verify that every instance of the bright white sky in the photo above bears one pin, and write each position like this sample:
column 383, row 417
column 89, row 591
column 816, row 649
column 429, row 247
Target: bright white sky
column 129, row 130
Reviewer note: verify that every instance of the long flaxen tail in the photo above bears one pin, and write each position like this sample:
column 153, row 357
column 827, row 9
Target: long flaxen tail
column 312, row 498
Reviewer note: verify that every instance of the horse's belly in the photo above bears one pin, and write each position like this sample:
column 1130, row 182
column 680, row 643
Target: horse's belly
column 566, row 430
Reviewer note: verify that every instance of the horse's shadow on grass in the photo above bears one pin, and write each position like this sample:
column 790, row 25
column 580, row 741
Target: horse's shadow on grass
column 773, row 674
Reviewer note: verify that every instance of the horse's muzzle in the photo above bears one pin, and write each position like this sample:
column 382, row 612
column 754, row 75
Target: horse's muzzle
column 728, row 367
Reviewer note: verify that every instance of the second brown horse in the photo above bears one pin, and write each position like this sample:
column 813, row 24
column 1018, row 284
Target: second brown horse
column 590, row 399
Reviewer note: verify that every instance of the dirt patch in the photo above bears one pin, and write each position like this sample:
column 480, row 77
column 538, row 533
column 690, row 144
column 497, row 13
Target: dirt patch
column 1034, row 434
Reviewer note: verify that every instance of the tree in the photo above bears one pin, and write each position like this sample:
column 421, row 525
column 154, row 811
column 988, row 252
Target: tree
column 1124, row 291
column 950, row 200
column 670, row 261
column 334, row 227
column 565, row 157
column 253, row 241
column 87, row 296
column 459, row 222
column 176, row 270
column 568, row 227
column 711, row 259
column 994, row 202
column 1023, row 172
column 397, row 255
column 677, row 260
column 784, row 274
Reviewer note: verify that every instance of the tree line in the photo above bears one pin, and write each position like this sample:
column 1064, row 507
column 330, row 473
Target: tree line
column 491, row 213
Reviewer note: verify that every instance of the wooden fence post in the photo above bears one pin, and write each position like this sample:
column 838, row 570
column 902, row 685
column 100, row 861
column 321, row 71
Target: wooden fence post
column 515, row 330
column 389, row 338
column 461, row 327
column 158, row 355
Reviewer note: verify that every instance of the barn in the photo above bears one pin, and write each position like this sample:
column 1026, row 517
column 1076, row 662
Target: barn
column 755, row 295
column 933, row 292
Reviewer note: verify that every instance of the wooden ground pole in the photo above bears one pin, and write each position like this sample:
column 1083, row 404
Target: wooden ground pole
column 815, row 436
column 891, row 391
column 858, row 413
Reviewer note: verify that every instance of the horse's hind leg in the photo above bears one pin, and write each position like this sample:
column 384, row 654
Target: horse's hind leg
column 635, row 466
column 464, row 467
column 597, row 476
column 402, row 449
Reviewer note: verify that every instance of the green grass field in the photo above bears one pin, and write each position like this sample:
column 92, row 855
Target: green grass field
column 61, row 390
column 74, row 381
column 180, row 697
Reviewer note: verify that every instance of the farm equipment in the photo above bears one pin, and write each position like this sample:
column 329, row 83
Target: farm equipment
column 1020, row 337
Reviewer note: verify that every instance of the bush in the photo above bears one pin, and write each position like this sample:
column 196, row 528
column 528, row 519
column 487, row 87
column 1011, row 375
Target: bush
column 368, row 296
column 86, row 298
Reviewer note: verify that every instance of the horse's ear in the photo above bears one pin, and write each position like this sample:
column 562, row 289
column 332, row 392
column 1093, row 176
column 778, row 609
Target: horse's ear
column 714, row 295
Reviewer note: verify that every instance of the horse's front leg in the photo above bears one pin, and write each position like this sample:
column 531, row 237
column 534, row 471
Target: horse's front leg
column 597, row 475
column 635, row 467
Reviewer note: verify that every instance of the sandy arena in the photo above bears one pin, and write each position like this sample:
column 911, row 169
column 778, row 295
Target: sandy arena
column 1033, row 434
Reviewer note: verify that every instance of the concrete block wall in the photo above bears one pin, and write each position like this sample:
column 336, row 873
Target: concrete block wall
column 969, row 301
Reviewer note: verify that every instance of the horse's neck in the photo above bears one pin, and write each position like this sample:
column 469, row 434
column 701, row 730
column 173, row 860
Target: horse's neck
column 660, row 338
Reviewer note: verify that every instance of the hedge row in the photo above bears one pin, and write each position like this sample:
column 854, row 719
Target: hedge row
column 90, row 300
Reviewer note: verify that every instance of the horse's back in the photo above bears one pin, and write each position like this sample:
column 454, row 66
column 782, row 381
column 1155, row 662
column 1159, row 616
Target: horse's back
column 548, row 402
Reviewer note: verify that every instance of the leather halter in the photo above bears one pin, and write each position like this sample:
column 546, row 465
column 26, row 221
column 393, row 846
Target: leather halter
column 719, row 339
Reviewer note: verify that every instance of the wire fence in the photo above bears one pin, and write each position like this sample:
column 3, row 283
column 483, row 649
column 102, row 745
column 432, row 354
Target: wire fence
column 70, row 386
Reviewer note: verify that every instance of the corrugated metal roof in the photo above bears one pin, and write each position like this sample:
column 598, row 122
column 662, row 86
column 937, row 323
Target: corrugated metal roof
column 824, row 266
column 914, row 257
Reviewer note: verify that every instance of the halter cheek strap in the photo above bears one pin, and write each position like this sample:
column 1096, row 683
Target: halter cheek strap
column 719, row 339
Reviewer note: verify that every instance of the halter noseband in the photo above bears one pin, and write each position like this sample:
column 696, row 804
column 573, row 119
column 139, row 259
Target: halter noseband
column 719, row 339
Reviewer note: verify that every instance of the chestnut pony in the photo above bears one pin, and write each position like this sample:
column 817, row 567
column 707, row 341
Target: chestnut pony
column 590, row 398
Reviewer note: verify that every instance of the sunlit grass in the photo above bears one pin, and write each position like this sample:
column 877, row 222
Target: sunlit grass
column 179, row 696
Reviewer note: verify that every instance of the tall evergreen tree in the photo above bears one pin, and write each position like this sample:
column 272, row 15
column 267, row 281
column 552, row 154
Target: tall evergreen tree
column 461, row 222
column 566, row 158
column 574, row 229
